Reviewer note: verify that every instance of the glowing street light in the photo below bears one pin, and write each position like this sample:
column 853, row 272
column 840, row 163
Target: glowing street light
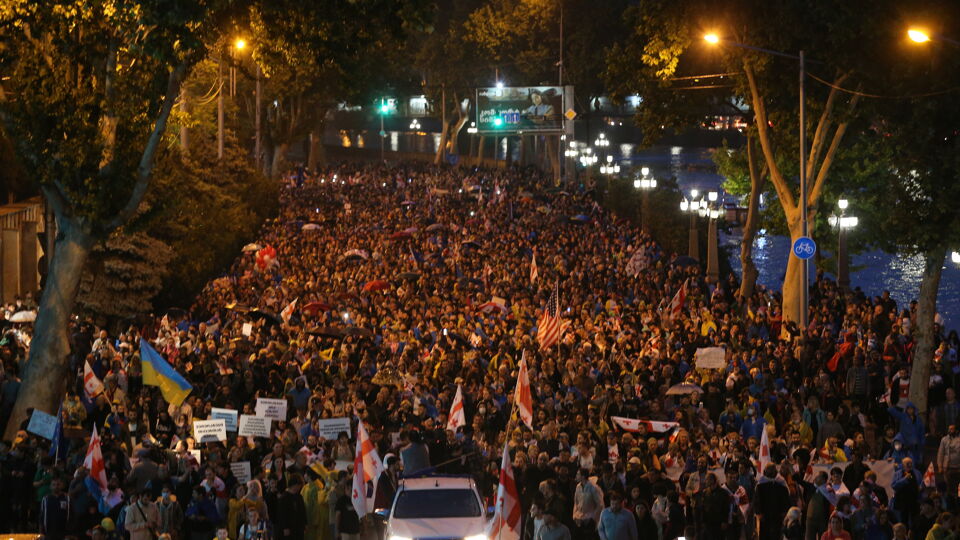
column 955, row 257
column 918, row 36
column 712, row 38
column 240, row 43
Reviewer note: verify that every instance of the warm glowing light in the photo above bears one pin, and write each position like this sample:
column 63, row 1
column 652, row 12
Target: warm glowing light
column 712, row 38
column 843, row 204
column 240, row 44
column 918, row 36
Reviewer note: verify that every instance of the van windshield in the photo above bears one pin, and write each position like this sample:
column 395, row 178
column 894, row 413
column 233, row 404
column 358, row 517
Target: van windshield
column 436, row 503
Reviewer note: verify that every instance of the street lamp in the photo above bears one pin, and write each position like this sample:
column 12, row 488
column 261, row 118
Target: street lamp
column 842, row 223
column 917, row 35
column 714, row 39
column 693, row 207
column 713, row 261
column 645, row 183
column 955, row 257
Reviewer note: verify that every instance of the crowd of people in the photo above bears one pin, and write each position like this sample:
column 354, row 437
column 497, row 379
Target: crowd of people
column 378, row 291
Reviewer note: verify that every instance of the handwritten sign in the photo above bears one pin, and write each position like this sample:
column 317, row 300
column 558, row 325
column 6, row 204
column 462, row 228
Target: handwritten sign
column 229, row 416
column 241, row 471
column 247, row 329
column 254, row 426
column 209, row 430
column 275, row 409
column 42, row 424
column 330, row 428
column 711, row 358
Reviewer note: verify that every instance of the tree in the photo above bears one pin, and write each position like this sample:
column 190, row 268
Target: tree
column 85, row 101
column 669, row 39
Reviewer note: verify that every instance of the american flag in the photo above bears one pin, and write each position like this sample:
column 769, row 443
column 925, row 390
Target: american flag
column 548, row 327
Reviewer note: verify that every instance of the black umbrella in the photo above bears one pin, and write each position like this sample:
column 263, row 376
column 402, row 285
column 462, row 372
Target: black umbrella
column 240, row 308
column 684, row 261
column 409, row 276
column 359, row 331
column 471, row 244
column 268, row 316
column 327, row 331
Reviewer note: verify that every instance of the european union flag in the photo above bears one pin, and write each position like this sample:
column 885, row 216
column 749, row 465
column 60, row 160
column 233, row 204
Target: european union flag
column 157, row 372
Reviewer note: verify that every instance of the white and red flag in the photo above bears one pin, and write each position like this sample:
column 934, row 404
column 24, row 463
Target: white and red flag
column 633, row 426
column 505, row 524
column 930, row 477
column 523, row 397
column 676, row 305
column 534, row 272
column 764, row 450
column 457, row 416
column 366, row 468
column 94, row 462
column 288, row 311
column 92, row 386
column 548, row 327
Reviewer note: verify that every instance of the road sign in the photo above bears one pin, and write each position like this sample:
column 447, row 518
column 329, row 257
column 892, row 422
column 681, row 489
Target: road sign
column 804, row 247
column 570, row 114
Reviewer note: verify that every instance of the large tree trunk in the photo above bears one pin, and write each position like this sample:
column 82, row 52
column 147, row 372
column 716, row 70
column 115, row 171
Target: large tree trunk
column 317, row 153
column 47, row 370
column 749, row 279
column 923, row 332
column 279, row 159
column 793, row 279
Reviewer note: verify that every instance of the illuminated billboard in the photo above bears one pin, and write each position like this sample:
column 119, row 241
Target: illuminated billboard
column 522, row 109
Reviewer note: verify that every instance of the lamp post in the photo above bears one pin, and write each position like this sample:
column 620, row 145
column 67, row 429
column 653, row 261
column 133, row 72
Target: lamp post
column 842, row 223
column 714, row 39
column 645, row 184
column 693, row 207
column 713, row 261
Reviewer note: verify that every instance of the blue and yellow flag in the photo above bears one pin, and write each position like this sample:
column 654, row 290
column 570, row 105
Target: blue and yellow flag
column 157, row 372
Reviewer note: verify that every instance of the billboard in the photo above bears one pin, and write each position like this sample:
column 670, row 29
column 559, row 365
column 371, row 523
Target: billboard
column 521, row 108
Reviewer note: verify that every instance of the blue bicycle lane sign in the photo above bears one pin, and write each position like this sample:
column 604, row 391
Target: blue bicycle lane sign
column 804, row 247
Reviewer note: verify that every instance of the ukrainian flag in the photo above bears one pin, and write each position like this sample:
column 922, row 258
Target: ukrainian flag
column 157, row 372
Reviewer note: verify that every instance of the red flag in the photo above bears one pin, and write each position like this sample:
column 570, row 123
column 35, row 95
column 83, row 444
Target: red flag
column 288, row 311
column 94, row 462
column 505, row 524
column 764, row 450
column 653, row 426
column 457, row 416
column 548, row 327
column 523, row 398
column 929, row 477
column 534, row 273
column 676, row 305
column 92, row 386
column 366, row 468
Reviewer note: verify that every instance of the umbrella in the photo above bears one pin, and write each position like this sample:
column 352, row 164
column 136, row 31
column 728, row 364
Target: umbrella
column 250, row 248
column 435, row 227
column 683, row 389
column 401, row 235
column 356, row 254
column 23, row 316
column 242, row 308
column 376, row 285
column 359, row 331
column 310, row 227
column 684, row 261
column 315, row 307
column 327, row 331
column 268, row 316
column 471, row 244
column 409, row 276
column 347, row 296
column 580, row 218
column 407, row 203
column 411, row 230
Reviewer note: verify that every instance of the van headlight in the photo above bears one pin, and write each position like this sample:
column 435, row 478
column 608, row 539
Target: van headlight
column 395, row 537
column 477, row 537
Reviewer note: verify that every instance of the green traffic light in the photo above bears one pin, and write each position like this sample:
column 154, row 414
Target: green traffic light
column 497, row 122
column 384, row 109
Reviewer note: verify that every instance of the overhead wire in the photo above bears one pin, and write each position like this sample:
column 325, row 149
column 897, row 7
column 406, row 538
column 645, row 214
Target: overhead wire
column 879, row 96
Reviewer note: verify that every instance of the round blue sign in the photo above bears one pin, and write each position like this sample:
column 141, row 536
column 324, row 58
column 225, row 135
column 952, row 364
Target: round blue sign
column 804, row 247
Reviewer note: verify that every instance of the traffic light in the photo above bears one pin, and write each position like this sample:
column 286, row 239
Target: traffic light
column 498, row 122
column 384, row 108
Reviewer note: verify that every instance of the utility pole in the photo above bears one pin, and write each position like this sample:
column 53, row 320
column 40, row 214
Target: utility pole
column 220, row 108
column 257, row 143
column 184, row 134
column 805, row 278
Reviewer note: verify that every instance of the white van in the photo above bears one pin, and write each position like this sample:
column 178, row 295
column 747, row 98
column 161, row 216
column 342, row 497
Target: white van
column 437, row 508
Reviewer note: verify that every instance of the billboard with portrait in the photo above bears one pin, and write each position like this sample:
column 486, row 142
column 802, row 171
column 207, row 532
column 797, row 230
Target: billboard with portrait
column 520, row 108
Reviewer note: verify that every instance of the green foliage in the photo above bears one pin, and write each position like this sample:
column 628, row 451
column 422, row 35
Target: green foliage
column 667, row 224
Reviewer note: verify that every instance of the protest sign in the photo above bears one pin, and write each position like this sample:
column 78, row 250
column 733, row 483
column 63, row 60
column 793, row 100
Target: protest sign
column 330, row 428
column 42, row 424
column 711, row 358
column 229, row 416
column 241, row 471
column 254, row 426
column 209, row 430
column 275, row 409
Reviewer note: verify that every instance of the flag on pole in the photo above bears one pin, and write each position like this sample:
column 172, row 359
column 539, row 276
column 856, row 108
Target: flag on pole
column 633, row 426
column 157, row 372
column 523, row 398
column 97, row 476
column 505, row 524
column 548, row 327
column 534, row 272
column 764, row 450
column 457, row 416
column 59, row 444
column 288, row 311
column 929, row 477
column 366, row 468
column 673, row 309
column 92, row 386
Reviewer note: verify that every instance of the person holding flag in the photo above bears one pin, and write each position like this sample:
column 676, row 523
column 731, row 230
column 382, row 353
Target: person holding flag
column 457, row 417
column 505, row 524
column 157, row 372
column 523, row 397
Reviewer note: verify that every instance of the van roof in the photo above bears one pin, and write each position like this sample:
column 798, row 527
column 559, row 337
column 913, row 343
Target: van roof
column 437, row 482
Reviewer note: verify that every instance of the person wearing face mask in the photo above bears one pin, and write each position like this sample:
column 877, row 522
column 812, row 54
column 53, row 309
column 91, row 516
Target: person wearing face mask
column 171, row 513
column 897, row 451
column 948, row 459
column 753, row 425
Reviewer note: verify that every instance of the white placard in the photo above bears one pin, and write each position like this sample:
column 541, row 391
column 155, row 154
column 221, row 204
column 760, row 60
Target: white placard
column 229, row 416
column 247, row 329
column 209, row 430
column 42, row 424
column 330, row 428
column 275, row 409
column 711, row 358
column 196, row 455
column 254, row 426
column 241, row 471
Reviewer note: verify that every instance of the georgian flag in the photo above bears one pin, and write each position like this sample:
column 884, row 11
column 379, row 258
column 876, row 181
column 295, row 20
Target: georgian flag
column 288, row 311
column 457, row 416
column 633, row 426
column 764, row 450
column 94, row 463
column 676, row 304
column 366, row 468
column 92, row 386
column 523, row 397
column 505, row 524
column 929, row 477
column 534, row 272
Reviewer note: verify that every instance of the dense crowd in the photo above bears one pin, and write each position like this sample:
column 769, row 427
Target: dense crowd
column 412, row 280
